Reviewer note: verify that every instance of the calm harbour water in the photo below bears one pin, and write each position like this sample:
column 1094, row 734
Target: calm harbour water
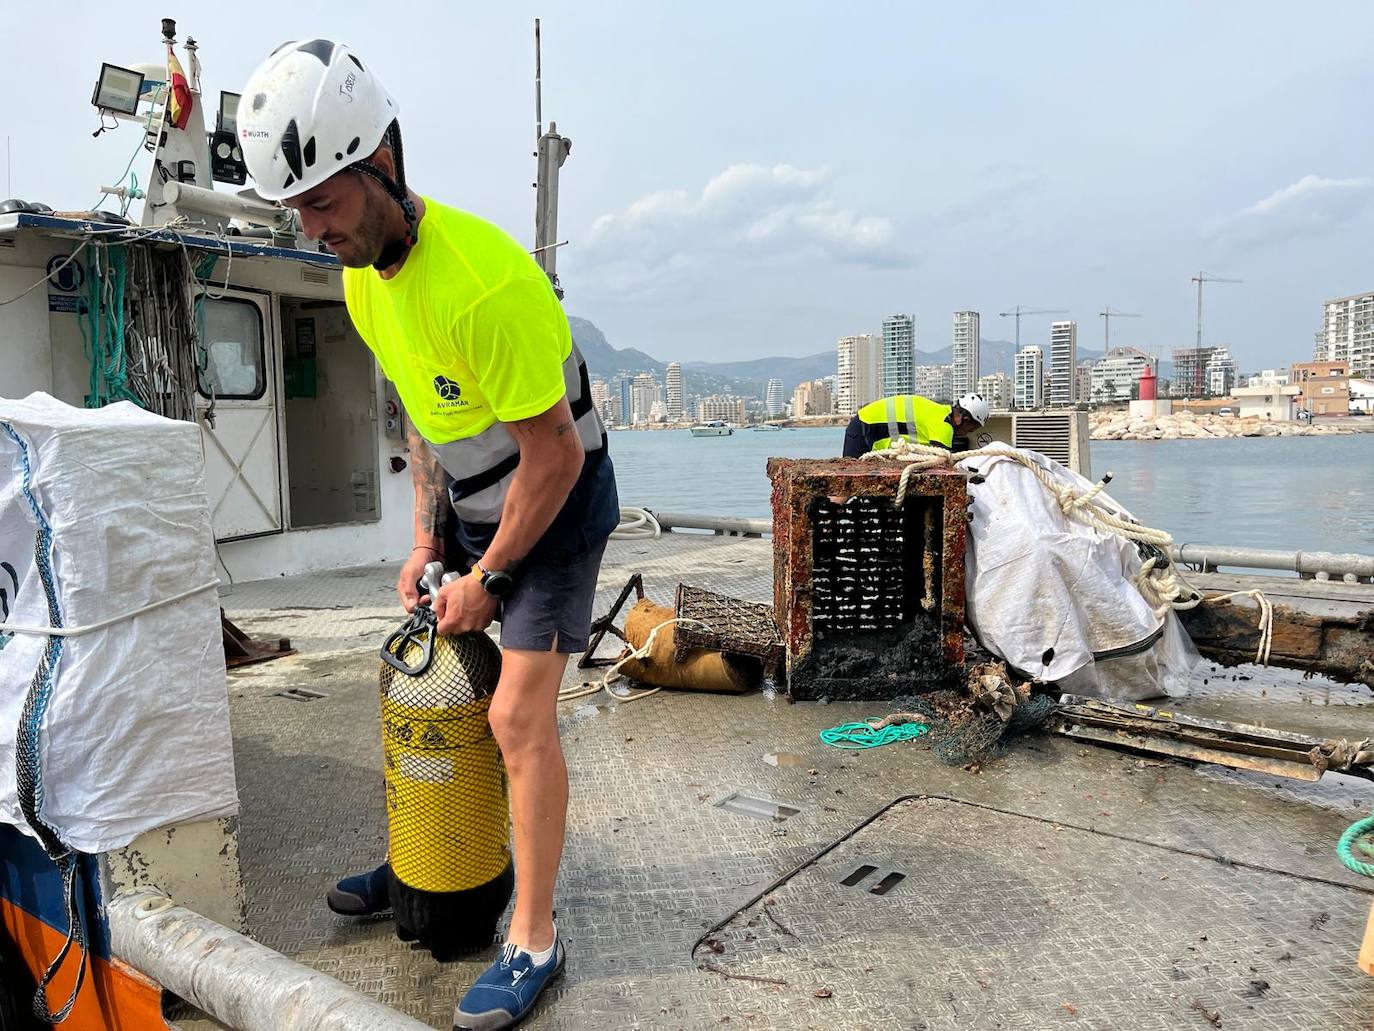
column 1312, row 493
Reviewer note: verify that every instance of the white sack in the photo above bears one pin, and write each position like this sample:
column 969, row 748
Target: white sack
column 1053, row 597
column 136, row 734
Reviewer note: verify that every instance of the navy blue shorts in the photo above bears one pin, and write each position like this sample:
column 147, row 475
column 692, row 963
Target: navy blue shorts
column 553, row 599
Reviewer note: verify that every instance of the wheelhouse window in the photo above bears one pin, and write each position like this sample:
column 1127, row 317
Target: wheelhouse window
column 235, row 352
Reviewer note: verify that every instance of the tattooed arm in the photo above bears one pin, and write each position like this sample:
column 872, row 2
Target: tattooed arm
column 431, row 515
column 551, row 458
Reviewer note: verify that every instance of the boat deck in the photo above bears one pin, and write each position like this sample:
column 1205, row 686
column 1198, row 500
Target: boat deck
column 1061, row 885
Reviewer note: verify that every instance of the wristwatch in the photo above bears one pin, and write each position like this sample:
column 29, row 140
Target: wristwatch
column 495, row 582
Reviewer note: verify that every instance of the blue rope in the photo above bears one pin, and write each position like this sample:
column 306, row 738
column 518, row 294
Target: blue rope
column 863, row 735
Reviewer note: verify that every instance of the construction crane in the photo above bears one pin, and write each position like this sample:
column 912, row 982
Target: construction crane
column 1107, row 316
column 1018, row 311
column 1199, row 279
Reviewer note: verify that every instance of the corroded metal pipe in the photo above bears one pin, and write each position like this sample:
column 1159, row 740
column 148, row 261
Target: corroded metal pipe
column 242, row 984
column 1306, row 563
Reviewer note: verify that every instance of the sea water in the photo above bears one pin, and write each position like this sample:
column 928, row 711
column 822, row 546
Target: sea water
column 1308, row 493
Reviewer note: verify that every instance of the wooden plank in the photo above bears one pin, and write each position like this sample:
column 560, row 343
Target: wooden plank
column 1185, row 750
column 1341, row 647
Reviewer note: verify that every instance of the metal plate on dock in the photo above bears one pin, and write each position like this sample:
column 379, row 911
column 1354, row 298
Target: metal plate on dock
column 1010, row 921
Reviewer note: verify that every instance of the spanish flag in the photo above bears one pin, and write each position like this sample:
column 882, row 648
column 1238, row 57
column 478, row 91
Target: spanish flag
column 178, row 92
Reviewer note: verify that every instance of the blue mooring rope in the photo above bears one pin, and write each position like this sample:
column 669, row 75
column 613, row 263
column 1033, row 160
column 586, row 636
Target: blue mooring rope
column 863, row 735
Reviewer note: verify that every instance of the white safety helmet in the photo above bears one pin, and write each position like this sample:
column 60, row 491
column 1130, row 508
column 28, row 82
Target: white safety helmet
column 309, row 111
column 976, row 407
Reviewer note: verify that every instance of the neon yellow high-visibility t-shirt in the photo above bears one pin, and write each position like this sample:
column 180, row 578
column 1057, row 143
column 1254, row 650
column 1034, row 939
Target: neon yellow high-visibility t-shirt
column 469, row 330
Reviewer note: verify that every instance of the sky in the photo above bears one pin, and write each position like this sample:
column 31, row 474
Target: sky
column 760, row 179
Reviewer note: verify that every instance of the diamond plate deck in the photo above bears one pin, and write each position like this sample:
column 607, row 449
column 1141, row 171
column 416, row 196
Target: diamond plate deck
column 651, row 862
column 1017, row 922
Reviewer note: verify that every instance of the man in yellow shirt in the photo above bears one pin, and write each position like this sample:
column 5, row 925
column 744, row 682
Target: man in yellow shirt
column 918, row 419
column 504, row 435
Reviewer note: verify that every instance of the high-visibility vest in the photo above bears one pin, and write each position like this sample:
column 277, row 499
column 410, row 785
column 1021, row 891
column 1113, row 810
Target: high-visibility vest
column 910, row 417
column 483, row 466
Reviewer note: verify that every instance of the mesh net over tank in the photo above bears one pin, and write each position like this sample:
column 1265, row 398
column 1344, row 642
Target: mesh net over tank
column 447, row 811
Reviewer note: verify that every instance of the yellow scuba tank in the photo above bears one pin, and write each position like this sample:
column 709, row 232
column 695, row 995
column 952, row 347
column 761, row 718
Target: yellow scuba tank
column 447, row 806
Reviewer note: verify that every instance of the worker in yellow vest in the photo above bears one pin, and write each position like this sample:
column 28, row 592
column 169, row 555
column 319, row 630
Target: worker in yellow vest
column 917, row 419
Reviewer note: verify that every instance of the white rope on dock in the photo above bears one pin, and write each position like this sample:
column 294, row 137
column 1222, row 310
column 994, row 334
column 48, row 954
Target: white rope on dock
column 1163, row 588
column 613, row 674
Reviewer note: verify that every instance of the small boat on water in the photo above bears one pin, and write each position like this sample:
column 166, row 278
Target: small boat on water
column 766, row 427
column 713, row 428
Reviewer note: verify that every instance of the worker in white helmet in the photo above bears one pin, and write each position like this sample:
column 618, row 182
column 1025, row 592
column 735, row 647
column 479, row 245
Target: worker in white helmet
column 879, row 424
column 503, row 435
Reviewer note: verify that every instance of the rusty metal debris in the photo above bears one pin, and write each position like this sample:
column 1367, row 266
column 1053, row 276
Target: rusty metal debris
column 1144, row 728
column 736, row 627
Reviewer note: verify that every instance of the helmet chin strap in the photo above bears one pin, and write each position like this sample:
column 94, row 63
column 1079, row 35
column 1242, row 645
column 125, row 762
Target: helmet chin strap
column 395, row 249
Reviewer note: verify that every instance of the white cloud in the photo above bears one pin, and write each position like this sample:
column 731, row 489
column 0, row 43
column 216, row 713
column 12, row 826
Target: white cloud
column 1309, row 207
column 776, row 213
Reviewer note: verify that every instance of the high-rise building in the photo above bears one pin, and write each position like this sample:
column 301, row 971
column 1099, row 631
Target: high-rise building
column 644, row 393
column 1063, row 362
column 1116, row 374
column 1083, row 382
column 859, row 375
column 719, row 406
column 773, row 397
column 935, row 382
column 812, row 398
column 627, row 406
column 1347, row 334
column 899, row 354
column 1030, row 379
column 601, row 398
column 965, row 353
column 996, row 388
column 673, row 382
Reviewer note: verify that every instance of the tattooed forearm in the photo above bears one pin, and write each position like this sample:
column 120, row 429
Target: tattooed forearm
column 564, row 427
column 431, row 492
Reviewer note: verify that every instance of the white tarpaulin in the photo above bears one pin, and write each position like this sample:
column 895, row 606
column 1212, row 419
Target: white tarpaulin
column 134, row 732
column 1054, row 597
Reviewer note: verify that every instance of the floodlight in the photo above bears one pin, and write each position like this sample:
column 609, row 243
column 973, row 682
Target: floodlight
column 118, row 89
column 228, row 112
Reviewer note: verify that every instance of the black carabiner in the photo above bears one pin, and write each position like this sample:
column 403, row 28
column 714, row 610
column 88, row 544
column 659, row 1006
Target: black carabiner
column 419, row 630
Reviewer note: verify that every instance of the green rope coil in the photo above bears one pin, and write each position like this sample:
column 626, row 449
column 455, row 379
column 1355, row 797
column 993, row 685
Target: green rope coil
column 1350, row 840
column 104, row 336
column 863, row 735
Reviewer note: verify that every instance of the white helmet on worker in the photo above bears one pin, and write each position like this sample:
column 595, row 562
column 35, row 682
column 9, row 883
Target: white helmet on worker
column 975, row 407
column 313, row 110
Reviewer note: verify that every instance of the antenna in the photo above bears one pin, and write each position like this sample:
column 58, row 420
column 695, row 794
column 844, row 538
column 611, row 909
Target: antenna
column 9, row 182
column 538, row 87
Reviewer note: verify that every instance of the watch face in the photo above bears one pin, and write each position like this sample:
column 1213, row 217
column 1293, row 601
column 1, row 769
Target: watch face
column 498, row 585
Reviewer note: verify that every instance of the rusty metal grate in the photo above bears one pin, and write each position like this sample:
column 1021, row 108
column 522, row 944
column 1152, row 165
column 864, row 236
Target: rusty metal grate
column 737, row 627
column 873, row 566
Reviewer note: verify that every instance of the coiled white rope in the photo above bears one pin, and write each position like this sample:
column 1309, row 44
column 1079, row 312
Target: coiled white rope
column 1164, row 589
column 613, row 673
column 636, row 524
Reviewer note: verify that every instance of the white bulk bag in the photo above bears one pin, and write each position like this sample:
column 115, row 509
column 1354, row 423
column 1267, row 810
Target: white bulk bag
column 135, row 731
column 1054, row 597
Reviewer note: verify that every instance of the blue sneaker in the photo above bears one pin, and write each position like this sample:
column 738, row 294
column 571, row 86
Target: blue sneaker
column 504, row 995
column 364, row 894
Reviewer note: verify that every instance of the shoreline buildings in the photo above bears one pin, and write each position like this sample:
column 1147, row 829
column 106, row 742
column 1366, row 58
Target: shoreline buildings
column 1347, row 334
column 673, row 384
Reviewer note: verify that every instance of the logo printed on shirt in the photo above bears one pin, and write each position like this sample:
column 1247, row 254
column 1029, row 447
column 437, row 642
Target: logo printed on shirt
column 447, row 389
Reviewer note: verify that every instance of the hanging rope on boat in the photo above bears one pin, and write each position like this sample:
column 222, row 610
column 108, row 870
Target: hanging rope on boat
column 636, row 524
column 1159, row 581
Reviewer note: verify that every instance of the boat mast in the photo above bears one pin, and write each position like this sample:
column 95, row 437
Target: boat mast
column 551, row 150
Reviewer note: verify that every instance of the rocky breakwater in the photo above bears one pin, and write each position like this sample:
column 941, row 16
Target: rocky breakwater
column 1181, row 425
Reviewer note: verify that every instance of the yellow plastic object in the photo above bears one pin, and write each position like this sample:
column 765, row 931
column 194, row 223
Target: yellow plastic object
column 446, row 798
